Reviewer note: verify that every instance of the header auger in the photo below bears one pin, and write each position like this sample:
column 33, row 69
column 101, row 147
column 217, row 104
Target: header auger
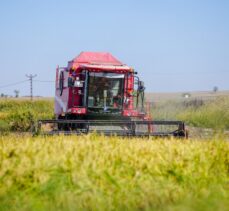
column 97, row 92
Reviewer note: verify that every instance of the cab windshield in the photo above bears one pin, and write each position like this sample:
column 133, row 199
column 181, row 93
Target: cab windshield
column 105, row 90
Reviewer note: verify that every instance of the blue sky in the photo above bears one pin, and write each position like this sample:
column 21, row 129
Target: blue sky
column 175, row 45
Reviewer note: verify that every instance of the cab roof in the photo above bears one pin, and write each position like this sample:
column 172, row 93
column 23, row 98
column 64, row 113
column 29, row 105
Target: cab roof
column 96, row 58
column 98, row 61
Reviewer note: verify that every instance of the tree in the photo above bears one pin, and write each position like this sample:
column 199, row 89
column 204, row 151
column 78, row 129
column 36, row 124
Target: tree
column 215, row 89
column 16, row 93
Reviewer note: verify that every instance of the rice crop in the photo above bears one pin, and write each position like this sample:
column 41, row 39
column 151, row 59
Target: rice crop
column 94, row 172
column 214, row 114
column 195, row 112
column 21, row 115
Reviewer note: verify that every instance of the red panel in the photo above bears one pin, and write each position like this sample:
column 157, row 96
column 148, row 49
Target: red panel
column 129, row 88
column 96, row 58
column 130, row 113
column 78, row 110
column 106, row 68
column 98, row 61
column 76, row 93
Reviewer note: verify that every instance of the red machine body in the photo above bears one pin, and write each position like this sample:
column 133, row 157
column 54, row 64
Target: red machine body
column 96, row 85
column 97, row 92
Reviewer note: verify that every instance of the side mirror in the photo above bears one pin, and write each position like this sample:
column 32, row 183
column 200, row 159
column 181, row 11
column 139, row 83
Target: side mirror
column 141, row 86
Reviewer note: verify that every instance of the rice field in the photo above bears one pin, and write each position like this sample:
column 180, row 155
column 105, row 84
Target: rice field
column 21, row 115
column 94, row 172
column 212, row 114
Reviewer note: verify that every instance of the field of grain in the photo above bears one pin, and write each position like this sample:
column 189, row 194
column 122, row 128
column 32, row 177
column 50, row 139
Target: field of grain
column 94, row 172
column 21, row 115
column 201, row 113
column 98, row 173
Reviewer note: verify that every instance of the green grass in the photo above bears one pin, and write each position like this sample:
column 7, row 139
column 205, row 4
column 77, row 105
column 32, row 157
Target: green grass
column 214, row 114
column 167, row 110
column 207, row 114
column 99, row 173
column 20, row 115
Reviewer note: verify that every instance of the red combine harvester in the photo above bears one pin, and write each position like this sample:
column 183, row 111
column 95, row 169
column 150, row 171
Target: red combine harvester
column 97, row 92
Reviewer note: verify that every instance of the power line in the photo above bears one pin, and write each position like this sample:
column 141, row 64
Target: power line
column 31, row 84
column 13, row 84
column 21, row 82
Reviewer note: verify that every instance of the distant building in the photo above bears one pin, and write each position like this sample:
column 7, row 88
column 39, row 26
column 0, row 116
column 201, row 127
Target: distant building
column 186, row 95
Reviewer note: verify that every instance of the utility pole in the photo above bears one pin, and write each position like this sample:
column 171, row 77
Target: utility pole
column 31, row 84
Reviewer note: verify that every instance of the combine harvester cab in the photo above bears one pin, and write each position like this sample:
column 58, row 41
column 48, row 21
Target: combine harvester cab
column 97, row 92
